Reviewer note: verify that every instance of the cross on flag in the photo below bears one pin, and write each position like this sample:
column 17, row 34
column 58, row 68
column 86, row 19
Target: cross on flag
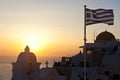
column 99, row 16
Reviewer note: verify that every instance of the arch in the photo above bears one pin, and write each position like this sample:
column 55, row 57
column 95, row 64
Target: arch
column 107, row 73
column 116, row 77
column 99, row 79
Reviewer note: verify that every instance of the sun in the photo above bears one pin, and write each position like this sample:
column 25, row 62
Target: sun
column 35, row 42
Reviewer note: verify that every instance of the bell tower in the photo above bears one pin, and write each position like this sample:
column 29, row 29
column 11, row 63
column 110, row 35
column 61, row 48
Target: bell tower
column 26, row 67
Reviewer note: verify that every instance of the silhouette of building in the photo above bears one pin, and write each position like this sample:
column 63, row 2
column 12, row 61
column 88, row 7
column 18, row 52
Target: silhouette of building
column 26, row 67
column 102, row 60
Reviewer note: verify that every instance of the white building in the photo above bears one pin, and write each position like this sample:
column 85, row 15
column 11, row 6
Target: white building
column 102, row 59
column 27, row 68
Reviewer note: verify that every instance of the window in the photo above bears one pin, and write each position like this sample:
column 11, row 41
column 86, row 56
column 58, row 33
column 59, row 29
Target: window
column 116, row 77
column 83, row 73
column 107, row 73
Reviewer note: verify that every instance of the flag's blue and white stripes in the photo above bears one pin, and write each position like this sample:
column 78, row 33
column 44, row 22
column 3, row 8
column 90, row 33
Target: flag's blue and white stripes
column 99, row 16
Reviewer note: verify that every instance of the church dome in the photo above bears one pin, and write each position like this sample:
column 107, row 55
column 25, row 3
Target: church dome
column 26, row 57
column 105, row 37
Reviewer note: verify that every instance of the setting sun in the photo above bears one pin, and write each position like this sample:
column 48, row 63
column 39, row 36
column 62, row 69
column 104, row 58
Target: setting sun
column 35, row 42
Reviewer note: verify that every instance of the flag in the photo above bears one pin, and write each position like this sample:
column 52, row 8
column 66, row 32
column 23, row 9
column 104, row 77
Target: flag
column 99, row 16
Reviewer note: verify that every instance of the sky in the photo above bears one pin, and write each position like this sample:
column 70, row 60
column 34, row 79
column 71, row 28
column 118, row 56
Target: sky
column 50, row 27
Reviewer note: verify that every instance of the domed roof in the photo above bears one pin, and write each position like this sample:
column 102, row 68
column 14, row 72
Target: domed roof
column 105, row 36
column 26, row 57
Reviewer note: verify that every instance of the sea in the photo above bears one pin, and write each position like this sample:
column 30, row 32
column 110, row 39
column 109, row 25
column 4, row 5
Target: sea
column 6, row 66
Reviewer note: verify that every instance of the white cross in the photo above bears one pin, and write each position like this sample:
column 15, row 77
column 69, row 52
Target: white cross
column 91, row 14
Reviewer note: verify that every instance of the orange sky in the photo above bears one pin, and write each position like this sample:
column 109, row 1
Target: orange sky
column 49, row 27
column 12, row 47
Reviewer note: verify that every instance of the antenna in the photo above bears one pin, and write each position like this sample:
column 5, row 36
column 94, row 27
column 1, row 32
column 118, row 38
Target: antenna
column 94, row 35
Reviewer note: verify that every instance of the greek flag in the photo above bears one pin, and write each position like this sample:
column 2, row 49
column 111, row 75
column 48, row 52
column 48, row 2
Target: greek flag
column 99, row 16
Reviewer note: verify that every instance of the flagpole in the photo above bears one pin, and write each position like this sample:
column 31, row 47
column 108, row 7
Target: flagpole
column 84, row 49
